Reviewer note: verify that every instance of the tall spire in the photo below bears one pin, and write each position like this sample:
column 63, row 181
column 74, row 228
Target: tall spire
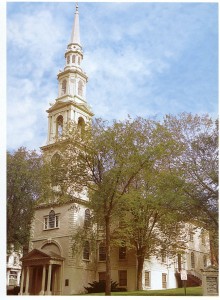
column 75, row 36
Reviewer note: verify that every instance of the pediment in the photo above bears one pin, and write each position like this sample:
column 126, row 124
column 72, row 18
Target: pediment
column 38, row 254
column 57, row 105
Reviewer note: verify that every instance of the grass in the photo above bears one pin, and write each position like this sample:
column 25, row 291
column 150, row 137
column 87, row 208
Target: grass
column 190, row 291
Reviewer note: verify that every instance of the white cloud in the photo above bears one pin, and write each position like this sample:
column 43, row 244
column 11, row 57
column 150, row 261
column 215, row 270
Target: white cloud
column 130, row 48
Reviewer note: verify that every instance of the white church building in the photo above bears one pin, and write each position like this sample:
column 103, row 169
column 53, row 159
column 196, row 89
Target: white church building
column 50, row 268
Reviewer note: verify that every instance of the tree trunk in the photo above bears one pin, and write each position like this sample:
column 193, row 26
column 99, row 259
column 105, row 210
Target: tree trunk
column 140, row 265
column 108, row 262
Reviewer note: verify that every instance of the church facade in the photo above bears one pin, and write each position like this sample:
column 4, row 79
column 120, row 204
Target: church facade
column 50, row 268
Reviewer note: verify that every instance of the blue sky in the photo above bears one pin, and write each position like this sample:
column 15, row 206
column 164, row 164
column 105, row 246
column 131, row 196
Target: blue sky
column 142, row 59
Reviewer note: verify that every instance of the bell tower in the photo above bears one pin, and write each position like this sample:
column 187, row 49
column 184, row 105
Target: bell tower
column 71, row 104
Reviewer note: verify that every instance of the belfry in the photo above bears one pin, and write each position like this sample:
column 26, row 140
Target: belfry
column 70, row 104
column 49, row 263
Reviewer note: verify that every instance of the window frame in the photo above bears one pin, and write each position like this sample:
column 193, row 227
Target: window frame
column 147, row 279
column 46, row 223
column 122, row 280
column 102, row 254
column 164, row 280
column 122, row 253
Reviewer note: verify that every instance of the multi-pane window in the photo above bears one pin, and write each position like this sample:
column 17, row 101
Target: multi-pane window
column 86, row 250
column 87, row 218
column 102, row 252
column 147, row 278
column 192, row 260
column 164, row 280
column 51, row 221
column 13, row 278
column 122, row 278
column 122, row 252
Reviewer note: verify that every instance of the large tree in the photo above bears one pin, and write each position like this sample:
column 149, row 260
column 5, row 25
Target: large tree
column 198, row 166
column 23, row 189
column 104, row 160
column 149, row 225
column 107, row 161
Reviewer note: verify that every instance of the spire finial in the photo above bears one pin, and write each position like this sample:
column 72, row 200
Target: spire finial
column 77, row 6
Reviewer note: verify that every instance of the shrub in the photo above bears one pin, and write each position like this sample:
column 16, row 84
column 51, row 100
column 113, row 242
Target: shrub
column 14, row 291
column 99, row 287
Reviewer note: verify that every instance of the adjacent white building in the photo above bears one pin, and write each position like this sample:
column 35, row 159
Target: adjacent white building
column 50, row 268
column 13, row 267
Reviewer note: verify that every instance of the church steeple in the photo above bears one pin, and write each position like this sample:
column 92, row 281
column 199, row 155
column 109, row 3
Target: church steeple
column 71, row 104
column 75, row 36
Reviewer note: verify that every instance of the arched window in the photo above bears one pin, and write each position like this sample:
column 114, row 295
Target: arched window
column 78, row 60
column 87, row 218
column 64, row 87
column 86, row 250
column 68, row 59
column 73, row 59
column 52, row 219
column 59, row 126
column 81, row 125
column 80, row 88
column 102, row 252
column 192, row 260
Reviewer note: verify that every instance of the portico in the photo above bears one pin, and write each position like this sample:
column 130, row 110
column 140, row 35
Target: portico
column 41, row 273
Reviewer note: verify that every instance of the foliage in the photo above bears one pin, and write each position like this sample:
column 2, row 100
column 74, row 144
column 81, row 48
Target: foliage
column 197, row 165
column 152, row 176
column 13, row 291
column 23, row 189
column 99, row 287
